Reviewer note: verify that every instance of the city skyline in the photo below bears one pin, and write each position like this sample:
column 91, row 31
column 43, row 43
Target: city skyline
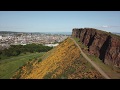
column 58, row 21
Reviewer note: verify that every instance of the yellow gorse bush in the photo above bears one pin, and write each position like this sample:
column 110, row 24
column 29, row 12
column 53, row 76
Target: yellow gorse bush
column 64, row 62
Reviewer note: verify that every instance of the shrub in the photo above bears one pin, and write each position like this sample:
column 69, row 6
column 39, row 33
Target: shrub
column 40, row 60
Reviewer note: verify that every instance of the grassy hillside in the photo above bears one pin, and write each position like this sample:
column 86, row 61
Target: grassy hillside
column 9, row 66
column 62, row 62
column 111, row 71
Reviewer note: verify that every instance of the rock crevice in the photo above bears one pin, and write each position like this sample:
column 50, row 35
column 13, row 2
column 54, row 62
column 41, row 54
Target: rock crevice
column 103, row 44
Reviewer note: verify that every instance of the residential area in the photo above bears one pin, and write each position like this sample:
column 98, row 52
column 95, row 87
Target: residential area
column 7, row 39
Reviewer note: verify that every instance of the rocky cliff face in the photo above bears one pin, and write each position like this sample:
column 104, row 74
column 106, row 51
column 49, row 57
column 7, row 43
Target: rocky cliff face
column 100, row 43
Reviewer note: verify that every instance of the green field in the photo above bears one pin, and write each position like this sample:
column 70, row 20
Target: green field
column 9, row 66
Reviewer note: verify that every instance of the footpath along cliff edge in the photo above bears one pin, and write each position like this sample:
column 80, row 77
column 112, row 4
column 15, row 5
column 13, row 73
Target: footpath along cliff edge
column 104, row 45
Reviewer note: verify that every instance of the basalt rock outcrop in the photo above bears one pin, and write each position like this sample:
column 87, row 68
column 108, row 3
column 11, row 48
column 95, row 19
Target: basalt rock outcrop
column 104, row 45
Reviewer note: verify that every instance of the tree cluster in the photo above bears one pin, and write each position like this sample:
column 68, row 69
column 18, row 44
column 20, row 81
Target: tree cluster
column 15, row 50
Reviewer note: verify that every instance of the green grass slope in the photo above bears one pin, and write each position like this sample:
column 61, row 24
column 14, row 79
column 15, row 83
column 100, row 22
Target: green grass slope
column 9, row 66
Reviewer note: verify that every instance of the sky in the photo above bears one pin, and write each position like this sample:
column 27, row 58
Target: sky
column 58, row 21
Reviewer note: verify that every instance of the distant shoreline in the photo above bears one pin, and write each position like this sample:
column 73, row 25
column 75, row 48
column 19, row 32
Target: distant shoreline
column 63, row 33
column 52, row 33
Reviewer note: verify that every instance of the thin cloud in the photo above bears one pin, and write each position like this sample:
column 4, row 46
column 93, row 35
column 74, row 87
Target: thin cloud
column 114, row 26
column 104, row 26
column 107, row 26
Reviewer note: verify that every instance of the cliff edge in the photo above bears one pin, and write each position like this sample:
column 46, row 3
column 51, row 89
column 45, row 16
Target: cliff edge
column 104, row 45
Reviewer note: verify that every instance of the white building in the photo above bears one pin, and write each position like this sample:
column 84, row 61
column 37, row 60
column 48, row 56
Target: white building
column 52, row 45
column 0, row 37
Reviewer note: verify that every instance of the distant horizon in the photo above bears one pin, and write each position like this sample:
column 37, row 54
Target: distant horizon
column 35, row 31
column 64, row 33
column 51, row 31
column 48, row 32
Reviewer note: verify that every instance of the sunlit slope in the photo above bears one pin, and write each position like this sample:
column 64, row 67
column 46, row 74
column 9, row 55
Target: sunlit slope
column 9, row 66
column 63, row 62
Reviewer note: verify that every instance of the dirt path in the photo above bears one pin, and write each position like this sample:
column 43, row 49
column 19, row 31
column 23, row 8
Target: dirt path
column 89, row 60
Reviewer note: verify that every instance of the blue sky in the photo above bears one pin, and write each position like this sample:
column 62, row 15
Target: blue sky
column 58, row 21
